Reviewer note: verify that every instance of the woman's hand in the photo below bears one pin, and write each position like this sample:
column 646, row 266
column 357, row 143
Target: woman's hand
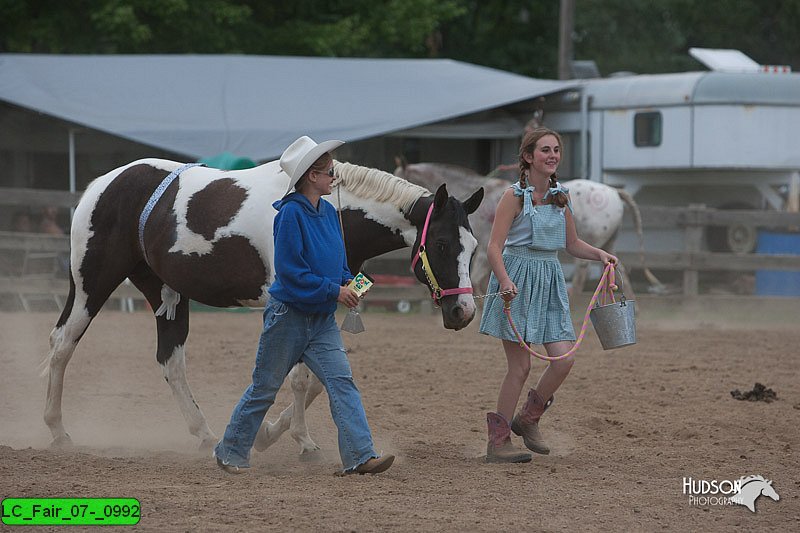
column 348, row 297
column 511, row 288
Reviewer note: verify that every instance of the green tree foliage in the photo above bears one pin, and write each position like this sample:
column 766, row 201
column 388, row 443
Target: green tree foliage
column 766, row 30
column 122, row 26
column 369, row 28
column 638, row 35
column 360, row 28
column 514, row 35
column 650, row 36
column 645, row 36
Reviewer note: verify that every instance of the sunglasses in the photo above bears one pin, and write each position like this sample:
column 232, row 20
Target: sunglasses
column 329, row 172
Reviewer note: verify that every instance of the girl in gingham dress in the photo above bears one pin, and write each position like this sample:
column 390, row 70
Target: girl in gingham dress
column 532, row 222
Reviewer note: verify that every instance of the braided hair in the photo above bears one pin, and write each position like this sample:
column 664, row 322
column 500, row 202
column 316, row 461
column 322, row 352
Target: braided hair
column 527, row 146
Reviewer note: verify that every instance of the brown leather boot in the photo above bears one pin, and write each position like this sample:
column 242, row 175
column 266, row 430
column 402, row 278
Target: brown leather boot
column 526, row 422
column 499, row 448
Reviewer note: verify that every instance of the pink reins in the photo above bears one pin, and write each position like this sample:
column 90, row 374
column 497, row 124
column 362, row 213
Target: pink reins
column 436, row 291
column 606, row 288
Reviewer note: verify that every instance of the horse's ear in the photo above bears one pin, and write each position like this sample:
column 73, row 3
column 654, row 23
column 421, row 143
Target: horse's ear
column 400, row 162
column 473, row 201
column 440, row 199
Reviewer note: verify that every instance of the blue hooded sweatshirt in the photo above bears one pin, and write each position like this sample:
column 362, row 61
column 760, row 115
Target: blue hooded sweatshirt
column 310, row 263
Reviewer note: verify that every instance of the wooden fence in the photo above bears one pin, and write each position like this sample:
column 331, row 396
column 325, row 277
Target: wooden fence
column 693, row 221
column 18, row 250
column 33, row 270
column 38, row 197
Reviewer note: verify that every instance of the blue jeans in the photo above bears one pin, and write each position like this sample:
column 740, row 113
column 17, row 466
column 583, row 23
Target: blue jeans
column 289, row 337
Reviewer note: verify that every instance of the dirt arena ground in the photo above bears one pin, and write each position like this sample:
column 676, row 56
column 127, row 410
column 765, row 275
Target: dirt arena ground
column 627, row 427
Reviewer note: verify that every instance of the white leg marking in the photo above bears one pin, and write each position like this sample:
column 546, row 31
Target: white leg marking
column 306, row 388
column 301, row 386
column 273, row 430
column 175, row 373
column 63, row 341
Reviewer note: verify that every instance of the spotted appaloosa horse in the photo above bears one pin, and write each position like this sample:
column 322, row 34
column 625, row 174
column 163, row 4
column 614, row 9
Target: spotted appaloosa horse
column 597, row 211
column 208, row 238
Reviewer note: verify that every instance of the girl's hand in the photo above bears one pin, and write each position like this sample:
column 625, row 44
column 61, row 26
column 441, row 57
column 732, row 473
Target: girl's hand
column 508, row 286
column 348, row 297
column 607, row 258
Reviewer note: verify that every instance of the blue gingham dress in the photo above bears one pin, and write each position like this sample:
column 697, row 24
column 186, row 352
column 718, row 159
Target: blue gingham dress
column 540, row 310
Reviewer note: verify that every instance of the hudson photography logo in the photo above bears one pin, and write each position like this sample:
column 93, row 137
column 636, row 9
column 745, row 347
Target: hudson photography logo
column 742, row 491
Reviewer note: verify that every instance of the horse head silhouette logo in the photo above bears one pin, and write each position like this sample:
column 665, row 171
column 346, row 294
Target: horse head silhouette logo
column 751, row 488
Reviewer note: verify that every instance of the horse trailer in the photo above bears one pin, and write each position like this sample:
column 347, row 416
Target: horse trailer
column 724, row 139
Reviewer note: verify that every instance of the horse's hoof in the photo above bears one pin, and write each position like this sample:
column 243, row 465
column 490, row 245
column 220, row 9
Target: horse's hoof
column 62, row 441
column 262, row 441
column 311, row 456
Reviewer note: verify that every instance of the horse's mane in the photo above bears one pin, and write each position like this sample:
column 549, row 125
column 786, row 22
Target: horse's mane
column 374, row 184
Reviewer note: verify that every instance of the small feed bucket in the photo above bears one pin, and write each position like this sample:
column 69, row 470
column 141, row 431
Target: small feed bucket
column 615, row 323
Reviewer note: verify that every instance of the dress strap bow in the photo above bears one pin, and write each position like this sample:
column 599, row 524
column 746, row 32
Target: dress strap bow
column 527, row 203
column 552, row 191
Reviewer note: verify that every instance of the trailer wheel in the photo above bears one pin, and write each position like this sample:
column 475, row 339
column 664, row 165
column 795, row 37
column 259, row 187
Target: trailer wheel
column 404, row 306
column 736, row 238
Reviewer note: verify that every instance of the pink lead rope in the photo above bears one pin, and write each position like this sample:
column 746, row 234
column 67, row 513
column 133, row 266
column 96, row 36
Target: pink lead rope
column 605, row 288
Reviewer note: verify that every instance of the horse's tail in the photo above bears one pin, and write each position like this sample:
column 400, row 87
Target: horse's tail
column 637, row 222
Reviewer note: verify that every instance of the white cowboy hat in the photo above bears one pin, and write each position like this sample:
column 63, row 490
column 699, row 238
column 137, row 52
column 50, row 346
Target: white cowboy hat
column 301, row 154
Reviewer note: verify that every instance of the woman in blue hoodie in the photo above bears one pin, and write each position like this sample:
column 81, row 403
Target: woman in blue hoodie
column 299, row 325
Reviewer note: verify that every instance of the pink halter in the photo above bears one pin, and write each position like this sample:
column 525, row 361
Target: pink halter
column 436, row 291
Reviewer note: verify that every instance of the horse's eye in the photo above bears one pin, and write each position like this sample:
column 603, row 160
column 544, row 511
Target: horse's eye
column 441, row 246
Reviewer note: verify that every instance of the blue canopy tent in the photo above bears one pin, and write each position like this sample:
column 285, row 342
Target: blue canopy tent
column 253, row 105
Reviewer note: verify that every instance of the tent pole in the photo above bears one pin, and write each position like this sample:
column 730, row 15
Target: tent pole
column 72, row 183
column 585, row 148
column 72, row 172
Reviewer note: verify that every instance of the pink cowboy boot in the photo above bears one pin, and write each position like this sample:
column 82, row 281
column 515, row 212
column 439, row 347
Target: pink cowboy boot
column 499, row 448
column 526, row 422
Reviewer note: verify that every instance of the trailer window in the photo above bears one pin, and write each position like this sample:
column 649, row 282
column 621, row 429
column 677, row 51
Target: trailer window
column 647, row 129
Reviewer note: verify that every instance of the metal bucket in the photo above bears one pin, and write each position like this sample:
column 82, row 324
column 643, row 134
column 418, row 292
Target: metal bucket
column 615, row 323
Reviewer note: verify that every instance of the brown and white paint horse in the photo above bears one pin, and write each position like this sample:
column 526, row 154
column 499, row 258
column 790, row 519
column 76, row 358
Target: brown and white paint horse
column 209, row 238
